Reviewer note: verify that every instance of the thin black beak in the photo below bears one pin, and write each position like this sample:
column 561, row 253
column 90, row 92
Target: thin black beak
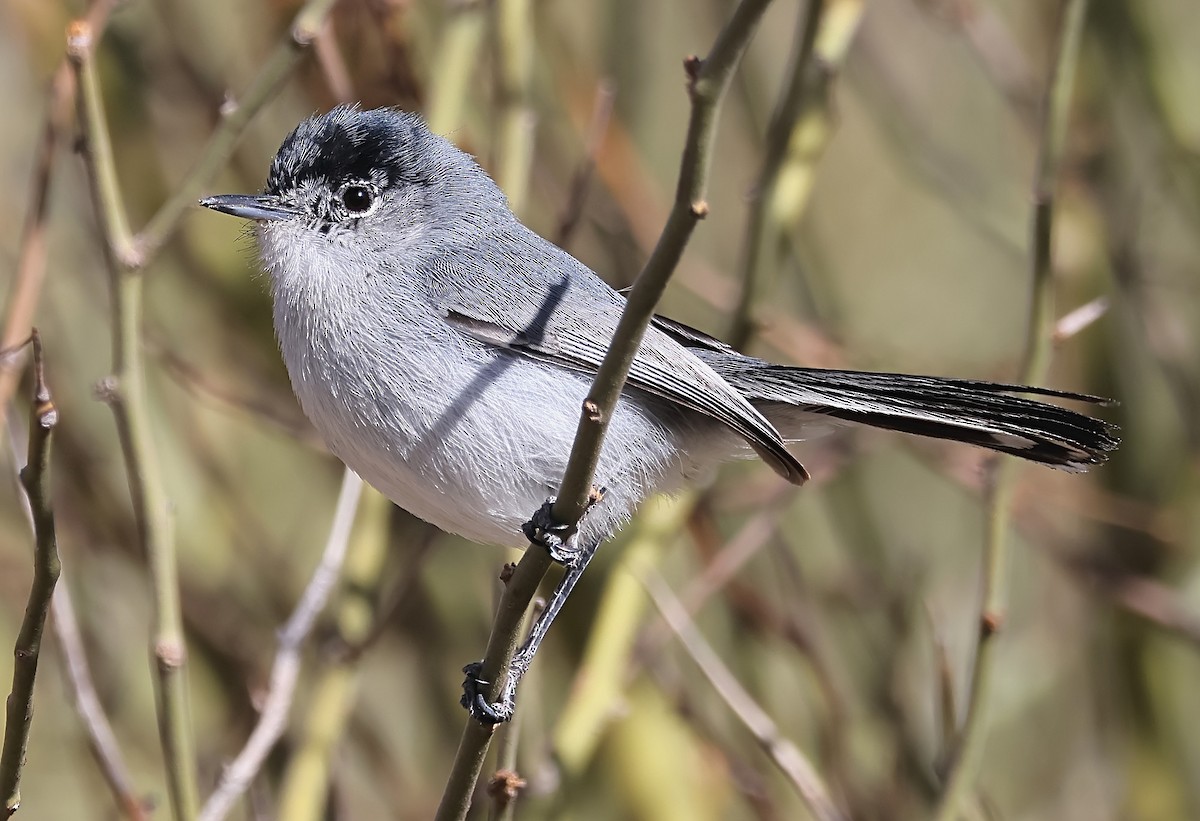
column 249, row 207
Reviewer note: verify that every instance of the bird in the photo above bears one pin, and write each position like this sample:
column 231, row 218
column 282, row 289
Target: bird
column 443, row 350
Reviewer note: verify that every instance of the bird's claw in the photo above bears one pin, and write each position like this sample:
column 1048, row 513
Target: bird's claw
column 474, row 699
column 557, row 538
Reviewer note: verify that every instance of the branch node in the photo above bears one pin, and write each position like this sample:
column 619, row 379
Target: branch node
column 171, row 654
column 504, row 787
column 303, row 34
column 591, row 410
column 699, row 209
column 79, row 40
column 990, row 623
column 107, row 390
column 506, row 572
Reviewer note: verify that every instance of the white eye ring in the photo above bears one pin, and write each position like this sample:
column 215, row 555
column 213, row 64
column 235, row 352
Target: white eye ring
column 358, row 198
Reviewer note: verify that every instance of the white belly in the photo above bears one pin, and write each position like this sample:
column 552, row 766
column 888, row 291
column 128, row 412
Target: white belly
column 476, row 447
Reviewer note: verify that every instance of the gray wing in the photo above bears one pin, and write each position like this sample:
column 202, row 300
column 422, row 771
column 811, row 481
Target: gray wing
column 524, row 294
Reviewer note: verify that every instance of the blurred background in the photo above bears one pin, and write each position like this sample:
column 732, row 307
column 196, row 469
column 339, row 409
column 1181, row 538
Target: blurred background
column 895, row 237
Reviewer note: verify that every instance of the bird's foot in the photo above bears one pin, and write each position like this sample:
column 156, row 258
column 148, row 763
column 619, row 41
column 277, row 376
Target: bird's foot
column 557, row 537
column 474, row 697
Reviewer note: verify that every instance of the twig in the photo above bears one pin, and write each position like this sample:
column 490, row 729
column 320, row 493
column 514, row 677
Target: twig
column 965, row 761
column 707, row 81
column 125, row 390
column 794, row 97
column 35, row 480
column 87, row 704
column 101, row 740
column 800, row 129
column 31, row 256
column 597, row 126
column 1077, row 320
column 790, row 760
column 514, row 58
column 333, row 64
column 237, row 115
column 753, row 535
column 285, row 670
column 947, row 709
column 306, row 784
column 125, row 393
column 506, row 784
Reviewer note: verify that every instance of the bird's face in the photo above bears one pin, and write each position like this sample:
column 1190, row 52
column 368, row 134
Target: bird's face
column 347, row 192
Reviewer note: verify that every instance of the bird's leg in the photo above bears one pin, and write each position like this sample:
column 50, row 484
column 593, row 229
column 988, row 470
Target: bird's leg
column 543, row 530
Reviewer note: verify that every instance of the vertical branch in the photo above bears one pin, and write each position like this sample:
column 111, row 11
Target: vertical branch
column 457, row 55
column 514, row 36
column 707, row 81
column 125, row 392
column 26, row 285
column 125, row 389
column 964, row 764
column 101, row 739
column 598, row 125
column 787, row 111
column 35, row 479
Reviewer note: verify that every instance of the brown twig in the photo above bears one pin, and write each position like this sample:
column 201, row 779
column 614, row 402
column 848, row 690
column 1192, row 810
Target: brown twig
column 582, row 180
column 790, row 760
column 26, row 288
column 99, row 732
column 333, row 63
column 101, row 740
column 35, row 479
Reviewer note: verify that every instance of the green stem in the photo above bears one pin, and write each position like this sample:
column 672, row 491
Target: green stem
column 791, row 103
column 967, row 760
column 125, row 391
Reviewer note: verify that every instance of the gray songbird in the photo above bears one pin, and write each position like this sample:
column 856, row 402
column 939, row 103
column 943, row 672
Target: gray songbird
column 443, row 350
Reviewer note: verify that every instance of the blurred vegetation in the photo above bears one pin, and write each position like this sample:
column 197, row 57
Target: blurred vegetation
column 895, row 237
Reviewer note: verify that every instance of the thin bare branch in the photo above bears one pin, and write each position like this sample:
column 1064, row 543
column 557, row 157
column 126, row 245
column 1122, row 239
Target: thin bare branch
column 708, row 79
column 965, row 760
column 35, row 480
column 790, row 760
column 285, row 670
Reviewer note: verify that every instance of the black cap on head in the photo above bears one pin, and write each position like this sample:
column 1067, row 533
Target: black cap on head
column 348, row 144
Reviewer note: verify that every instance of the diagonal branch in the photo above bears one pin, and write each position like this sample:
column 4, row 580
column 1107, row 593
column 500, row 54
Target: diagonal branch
column 707, row 81
column 285, row 670
column 790, row 760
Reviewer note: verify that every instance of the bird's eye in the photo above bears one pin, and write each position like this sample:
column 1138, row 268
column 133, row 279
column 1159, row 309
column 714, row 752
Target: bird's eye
column 357, row 199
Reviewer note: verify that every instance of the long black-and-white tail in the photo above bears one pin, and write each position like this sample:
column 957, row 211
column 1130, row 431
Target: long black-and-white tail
column 987, row 414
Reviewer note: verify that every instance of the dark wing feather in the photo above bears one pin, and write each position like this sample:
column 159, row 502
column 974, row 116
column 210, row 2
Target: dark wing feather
column 511, row 295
